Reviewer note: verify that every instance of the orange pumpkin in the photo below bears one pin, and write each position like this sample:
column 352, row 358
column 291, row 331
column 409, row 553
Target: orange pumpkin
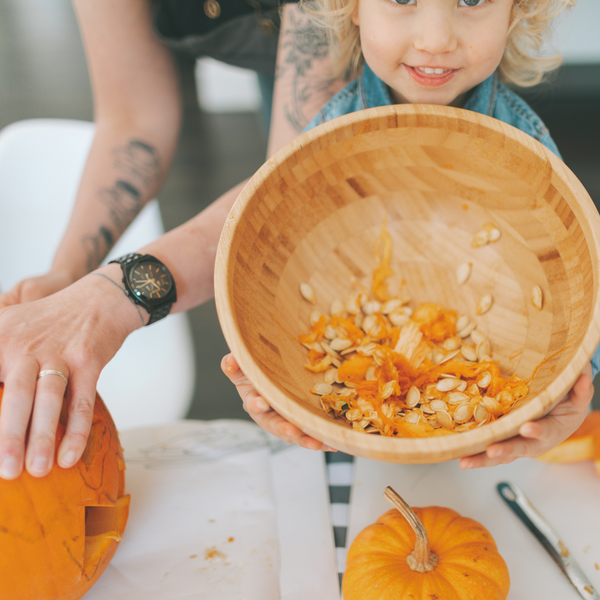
column 424, row 553
column 59, row 532
column 580, row 445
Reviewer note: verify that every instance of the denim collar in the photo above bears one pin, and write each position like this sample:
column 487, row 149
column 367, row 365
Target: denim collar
column 373, row 92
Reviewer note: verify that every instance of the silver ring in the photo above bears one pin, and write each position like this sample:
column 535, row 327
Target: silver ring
column 51, row 372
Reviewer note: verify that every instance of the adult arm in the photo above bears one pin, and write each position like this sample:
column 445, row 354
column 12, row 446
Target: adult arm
column 137, row 115
column 77, row 331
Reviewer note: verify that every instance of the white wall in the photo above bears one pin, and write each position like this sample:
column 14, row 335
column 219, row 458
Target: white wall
column 579, row 33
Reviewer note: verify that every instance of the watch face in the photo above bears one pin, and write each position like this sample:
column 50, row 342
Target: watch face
column 150, row 280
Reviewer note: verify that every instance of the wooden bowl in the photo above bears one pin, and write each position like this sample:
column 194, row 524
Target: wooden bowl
column 314, row 211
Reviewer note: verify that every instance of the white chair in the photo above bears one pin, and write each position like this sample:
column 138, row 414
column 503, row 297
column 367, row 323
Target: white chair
column 151, row 379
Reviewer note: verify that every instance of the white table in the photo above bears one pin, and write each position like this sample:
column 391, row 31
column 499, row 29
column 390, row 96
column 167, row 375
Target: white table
column 221, row 511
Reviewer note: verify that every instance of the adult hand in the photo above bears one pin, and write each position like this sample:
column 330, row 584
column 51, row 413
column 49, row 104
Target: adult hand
column 537, row 437
column 260, row 411
column 35, row 288
column 75, row 331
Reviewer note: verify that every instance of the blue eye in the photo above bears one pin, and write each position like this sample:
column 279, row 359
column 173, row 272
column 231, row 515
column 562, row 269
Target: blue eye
column 471, row 2
column 404, row 2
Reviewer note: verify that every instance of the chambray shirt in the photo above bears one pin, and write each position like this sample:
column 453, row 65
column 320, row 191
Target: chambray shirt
column 491, row 97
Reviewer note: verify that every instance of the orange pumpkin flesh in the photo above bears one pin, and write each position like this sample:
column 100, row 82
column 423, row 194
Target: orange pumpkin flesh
column 59, row 532
column 580, row 445
column 465, row 564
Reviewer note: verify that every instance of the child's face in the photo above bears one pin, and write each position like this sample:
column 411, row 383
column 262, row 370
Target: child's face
column 403, row 41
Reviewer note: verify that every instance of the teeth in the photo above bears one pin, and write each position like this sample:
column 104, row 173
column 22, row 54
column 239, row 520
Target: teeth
column 429, row 71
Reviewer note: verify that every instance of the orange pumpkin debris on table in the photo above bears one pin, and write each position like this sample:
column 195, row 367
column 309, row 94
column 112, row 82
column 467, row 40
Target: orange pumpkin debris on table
column 582, row 444
column 59, row 532
column 424, row 553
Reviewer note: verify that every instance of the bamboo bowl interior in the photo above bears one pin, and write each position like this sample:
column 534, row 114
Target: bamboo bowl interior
column 313, row 214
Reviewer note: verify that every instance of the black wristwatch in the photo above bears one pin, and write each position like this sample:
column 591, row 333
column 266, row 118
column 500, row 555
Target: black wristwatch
column 148, row 283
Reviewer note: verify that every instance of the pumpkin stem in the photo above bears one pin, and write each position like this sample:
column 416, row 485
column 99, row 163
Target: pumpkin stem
column 421, row 558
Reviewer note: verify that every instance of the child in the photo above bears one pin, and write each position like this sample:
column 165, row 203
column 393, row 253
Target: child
column 450, row 52
column 453, row 53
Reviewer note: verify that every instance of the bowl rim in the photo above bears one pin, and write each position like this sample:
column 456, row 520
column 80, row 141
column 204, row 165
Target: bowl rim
column 382, row 447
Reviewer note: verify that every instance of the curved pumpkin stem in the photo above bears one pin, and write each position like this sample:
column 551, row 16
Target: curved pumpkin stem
column 421, row 559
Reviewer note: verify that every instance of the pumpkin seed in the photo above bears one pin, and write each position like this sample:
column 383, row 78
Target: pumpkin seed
column 354, row 414
column 330, row 376
column 321, row 389
column 337, row 308
column 388, row 389
column 484, row 304
column 391, row 305
column 463, row 321
column 485, row 380
column 330, row 332
column 463, row 413
column 370, row 375
column 537, row 297
column 445, row 420
column 462, row 386
column 477, row 337
column 398, row 318
column 491, row 405
column 308, row 293
column 456, row 397
column 371, row 307
column 340, row 344
column 412, row 417
column 482, row 237
column 445, row 385
column 367, row 349
column 495, row 234
column 463, row 272
column 438, row 405
column 483, row 349
column 413, row 397
column 481, row 413
column 451, row 344
column 469, row 353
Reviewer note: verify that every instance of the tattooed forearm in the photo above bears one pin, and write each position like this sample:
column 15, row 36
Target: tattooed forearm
column 303, row 46
column 138, row 166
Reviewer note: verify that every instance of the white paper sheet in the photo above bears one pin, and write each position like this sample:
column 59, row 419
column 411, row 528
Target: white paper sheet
column 307, row 547
column 205, row 522
column 568, row 496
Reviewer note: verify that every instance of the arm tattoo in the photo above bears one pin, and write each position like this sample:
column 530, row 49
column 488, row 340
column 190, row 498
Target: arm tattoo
column 139, row 168
column 303, row 45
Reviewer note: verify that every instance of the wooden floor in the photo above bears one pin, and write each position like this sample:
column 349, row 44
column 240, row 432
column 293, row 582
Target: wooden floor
column 43, row 74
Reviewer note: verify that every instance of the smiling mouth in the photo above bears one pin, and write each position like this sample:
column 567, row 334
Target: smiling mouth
column 431, row 76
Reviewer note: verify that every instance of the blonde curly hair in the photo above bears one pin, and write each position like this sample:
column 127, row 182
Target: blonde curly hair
column 523, row 63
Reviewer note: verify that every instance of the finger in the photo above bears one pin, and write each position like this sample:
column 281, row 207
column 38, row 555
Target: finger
column 583, row 392
column 503, row 453
column 8, row 299
column 49, row 394
column 262, row 413
column 17, row 402
column 81, row 396
column 229, row 365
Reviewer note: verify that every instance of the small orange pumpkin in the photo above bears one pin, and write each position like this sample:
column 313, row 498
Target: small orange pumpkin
column 427, row 553
column 59, row 532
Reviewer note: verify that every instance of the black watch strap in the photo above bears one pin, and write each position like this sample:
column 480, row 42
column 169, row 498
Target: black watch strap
column 156, row 312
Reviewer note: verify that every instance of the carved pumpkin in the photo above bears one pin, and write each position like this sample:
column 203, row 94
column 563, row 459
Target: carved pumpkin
column 427, row 553
column 59, row 532
column 583, row 444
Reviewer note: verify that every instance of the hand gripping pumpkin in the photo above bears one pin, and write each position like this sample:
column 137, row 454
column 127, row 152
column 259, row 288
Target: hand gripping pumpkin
column 59, row 532
column 427, row 553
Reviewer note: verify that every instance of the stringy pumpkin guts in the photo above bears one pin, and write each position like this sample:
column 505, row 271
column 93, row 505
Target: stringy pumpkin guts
column 398, row 371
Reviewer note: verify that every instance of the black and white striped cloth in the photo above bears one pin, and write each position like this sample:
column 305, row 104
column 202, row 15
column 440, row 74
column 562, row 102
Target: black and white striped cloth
column 340, row 473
